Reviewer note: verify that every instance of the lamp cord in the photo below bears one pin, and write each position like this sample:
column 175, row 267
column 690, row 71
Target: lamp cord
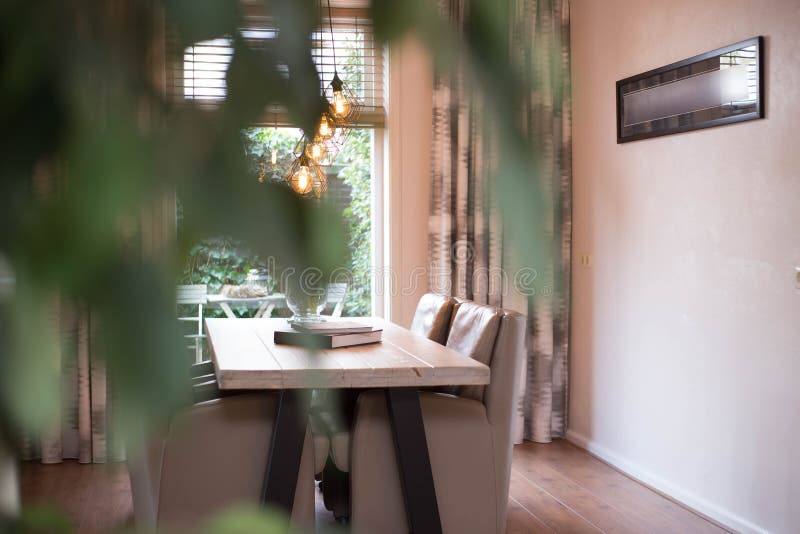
column 333, row 41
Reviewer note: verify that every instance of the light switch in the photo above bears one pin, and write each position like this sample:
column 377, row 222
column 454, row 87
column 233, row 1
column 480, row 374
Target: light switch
column 797, row 277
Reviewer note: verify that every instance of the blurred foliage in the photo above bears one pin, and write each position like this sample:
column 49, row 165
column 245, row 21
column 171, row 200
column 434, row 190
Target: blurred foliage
column 354, row 166
column 245, row 519
column 91, row 143
column 217, row 261
column 37, row 519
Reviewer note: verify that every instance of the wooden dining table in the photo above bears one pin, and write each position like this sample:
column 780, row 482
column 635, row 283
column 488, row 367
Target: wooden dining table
column 246, row 357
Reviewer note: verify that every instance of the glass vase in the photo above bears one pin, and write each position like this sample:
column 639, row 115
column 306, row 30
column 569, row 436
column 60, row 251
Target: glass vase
column 306, row 303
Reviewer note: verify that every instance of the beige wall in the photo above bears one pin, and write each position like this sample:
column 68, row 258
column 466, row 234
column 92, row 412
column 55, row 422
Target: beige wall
column 686, row 328
column 407, row 184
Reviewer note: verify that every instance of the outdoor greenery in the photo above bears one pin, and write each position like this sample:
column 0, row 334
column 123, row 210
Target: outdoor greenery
column 358, row 220
column 219, row 261
column 216, row 262
column 259, row 142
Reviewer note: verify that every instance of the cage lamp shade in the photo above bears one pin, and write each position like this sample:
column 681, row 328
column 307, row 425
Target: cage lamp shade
column 306, row 177
column 345, row 107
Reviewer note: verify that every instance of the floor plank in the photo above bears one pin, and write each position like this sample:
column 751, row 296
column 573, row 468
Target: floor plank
column 522, row 521
column 588, row 504
column 555, row 487
column 547, row 508
column 617, row 490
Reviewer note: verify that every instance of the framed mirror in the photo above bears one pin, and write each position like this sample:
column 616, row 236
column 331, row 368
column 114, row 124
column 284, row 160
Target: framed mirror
column 711, row 89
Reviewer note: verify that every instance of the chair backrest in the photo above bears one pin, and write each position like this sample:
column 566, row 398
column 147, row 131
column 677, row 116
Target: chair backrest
column 495, row 337
column 191, row 294
column 334, row 297
column 432, row 317
column 500, row 399
column 473, row 332
column 211, row 456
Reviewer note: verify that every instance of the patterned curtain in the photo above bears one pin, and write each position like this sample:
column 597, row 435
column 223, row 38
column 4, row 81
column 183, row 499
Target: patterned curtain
column 83, row 430
column 469, row 256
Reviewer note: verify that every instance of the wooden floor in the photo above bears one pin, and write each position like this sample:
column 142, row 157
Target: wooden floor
column 557, row 487
column 554, row 488
column 95, row 497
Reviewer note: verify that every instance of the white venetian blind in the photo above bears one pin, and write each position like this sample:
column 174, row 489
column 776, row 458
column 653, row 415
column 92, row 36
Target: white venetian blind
column 197, row 74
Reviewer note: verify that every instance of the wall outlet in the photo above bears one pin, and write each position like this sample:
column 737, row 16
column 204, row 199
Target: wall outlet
column 586, row 260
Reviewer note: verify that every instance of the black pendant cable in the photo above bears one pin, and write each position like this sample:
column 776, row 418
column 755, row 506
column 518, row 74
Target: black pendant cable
column 336, row 83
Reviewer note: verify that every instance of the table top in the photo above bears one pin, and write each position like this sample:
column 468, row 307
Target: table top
column 244, row 300
column 245, row 356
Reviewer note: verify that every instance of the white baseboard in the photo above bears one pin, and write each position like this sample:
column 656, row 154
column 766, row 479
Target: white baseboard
column 725, row 517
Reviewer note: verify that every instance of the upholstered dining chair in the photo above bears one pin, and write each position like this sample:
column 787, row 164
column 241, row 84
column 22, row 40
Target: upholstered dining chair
column 432, row 320
column 205, row 388
column 468, row 431
column 432, row 317
column 211, row 455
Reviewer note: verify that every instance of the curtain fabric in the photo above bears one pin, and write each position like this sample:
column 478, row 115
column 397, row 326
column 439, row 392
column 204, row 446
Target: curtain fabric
column 83, row 430
column 469, row 256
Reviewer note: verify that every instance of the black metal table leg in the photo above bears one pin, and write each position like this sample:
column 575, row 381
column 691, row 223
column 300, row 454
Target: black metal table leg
column 416, row 476
column 286, row 449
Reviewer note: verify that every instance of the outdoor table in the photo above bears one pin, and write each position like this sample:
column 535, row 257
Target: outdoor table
column 246, row 357
column 263, row 305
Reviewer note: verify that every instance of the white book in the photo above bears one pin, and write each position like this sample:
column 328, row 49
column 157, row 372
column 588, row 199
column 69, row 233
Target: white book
column 332, row 327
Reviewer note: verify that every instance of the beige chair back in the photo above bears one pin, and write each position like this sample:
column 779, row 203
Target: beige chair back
column 432, row 317
column 495, row 337
column 473, row 332
column 213, row 455
column 500, row 397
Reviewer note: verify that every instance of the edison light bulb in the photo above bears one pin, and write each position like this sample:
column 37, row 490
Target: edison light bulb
column 274, row 158
column 340, row 105
column 325, row 129
column 316, row 151
column 301, row 180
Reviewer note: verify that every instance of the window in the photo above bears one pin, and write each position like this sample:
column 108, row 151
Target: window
column 197, row 77
column 198, row 73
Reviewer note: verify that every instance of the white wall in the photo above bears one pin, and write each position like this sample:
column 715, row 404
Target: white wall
column 685, row 363
column 408, row 177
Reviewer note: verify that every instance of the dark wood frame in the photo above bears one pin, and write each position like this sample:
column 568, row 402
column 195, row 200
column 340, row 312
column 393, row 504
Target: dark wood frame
column 757, row 114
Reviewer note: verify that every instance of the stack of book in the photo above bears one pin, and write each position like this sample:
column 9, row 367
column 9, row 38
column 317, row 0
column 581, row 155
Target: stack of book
column 328, row 335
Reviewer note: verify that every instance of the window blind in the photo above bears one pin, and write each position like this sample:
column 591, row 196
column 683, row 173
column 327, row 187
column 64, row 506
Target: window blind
column 197, row 73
